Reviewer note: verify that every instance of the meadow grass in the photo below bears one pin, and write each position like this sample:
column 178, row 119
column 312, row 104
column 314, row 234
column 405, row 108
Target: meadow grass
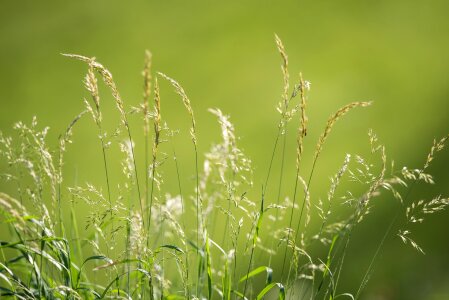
column 156, row 251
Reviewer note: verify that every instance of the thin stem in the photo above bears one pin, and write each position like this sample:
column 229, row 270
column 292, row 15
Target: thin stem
column 183, row 220
column 301, row 212
column 373, row 259
column 163, row 253
column 147, row 173
column 231, row 188
column 290, row 226
column 256, row 231
column 135, row 169
column 279, row 191
column 198, row 215
column 107, row 177
column 153, row 166
column 272, row 155
column 249, row 268
column 381, row 244
column 61, row 227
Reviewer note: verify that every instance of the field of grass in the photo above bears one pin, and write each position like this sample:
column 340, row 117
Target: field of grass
column 168, row 218
column 393, row 54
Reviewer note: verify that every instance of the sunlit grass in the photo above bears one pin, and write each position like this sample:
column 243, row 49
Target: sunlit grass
column 141, row 240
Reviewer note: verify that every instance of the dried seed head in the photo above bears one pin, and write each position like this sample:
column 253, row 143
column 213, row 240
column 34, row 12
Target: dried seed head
column 436, row 147
column 107, row 78
column 302, row 129
column 185, row 100
column 284, row 68
column 146, row 73
column 157, row 116
column 90, row 82
column 332, row 120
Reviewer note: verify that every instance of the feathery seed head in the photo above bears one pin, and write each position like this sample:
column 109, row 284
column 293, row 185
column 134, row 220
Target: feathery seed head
column 332, row 120
column 185, row 100
column 284, row 68
column 146, row 73
column 108, row 80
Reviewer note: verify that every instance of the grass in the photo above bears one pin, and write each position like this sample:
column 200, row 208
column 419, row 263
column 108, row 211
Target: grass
column 139, row 241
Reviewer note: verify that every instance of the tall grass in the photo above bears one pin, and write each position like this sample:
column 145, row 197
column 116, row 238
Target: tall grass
column 143, row 245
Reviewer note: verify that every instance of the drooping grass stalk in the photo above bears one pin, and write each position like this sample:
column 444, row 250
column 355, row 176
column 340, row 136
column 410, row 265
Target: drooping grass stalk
column 180, row 91
column 108, row 80
column 91, row 85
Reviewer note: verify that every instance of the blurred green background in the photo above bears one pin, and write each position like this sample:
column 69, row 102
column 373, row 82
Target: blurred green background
column 395, row 53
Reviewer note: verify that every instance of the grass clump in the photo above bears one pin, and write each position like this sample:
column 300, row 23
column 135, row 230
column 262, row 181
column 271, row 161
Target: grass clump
column 146, row 244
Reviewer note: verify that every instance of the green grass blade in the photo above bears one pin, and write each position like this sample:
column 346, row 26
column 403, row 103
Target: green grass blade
column 269, row 287
column 172, row 247
column 208, row 265
column 257, row 271
column 93, row 257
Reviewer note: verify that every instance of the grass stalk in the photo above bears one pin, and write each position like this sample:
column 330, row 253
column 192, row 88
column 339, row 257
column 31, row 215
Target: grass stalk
column 180, row 91
column 183, row 220
column 302, row 132
column 157, row 132
column 258, row 223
